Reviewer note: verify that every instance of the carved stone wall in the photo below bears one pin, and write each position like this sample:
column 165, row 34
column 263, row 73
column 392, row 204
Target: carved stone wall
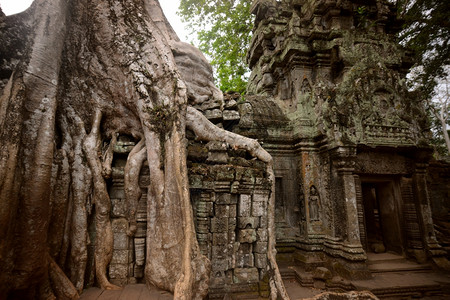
column 230, row 194
column 343, row 130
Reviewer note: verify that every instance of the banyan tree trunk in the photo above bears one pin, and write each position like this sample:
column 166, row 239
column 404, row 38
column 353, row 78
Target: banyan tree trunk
column 91, row 70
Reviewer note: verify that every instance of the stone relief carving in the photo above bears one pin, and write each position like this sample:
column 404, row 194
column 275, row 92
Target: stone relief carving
column 314, row 204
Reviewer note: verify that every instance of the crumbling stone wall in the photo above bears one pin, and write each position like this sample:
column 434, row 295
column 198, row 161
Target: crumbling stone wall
column 229, row 192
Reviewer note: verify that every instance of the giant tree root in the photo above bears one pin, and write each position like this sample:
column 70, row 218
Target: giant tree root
column 62, row 286
column 133, row 192
column 104, row 234
column 205, row 130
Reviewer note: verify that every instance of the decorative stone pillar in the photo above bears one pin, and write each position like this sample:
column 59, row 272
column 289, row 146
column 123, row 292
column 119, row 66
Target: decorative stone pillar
column 348, row 254
column 344, row 161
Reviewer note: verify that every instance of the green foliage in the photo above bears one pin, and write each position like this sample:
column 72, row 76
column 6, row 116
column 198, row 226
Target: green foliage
column 223, row 30
column 427, row 33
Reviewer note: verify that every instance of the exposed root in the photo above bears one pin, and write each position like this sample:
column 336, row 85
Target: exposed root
column 62, row 286
column 108, row 156
column 194, row 263
column 131, row 182
column 81, row 178
column 104, row 235
column 205, row 130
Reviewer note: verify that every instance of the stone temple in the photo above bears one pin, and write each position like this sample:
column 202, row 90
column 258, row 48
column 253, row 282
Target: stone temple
column 355, row 180
column 327, row 98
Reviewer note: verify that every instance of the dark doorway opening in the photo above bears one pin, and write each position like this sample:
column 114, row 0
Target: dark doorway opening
column 381, row 216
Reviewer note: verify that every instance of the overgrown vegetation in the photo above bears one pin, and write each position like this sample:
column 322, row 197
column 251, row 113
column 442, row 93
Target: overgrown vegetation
column 426, row 31
column 223, row 30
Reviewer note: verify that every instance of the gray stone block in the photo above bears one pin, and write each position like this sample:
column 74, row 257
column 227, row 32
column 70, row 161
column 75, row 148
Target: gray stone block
column 260, row 260
column 260, row 197
column 230, row 115
column 219, row 224
column 248, row 222
column 222, row 210
column 245, row 275
column 119, row 207
column 247, row 235
column 119, row 225
column 219, row 252
column 258, row 208
column 219, row 265
column 322, row 273
column 220, row 239
column 260, row 247
column 117, row 271
column 213, row 114
column 120, row 257
column 245, row 204
column 120, row 241
column 232, row 211
column 223, row 198
column 263, row 221
column 261, row 235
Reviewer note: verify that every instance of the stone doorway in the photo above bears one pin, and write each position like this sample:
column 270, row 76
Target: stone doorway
column 381, row 215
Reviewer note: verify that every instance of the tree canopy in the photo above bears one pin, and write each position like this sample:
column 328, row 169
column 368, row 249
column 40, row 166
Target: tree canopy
column 224, row 31
column 426, row 31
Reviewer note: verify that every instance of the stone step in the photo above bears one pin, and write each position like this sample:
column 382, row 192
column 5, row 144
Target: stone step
column 398, row 267
column 287, row 273
column 405, row 285
column 376, row 258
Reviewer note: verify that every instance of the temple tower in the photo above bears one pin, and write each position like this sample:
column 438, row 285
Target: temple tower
column 328, row 98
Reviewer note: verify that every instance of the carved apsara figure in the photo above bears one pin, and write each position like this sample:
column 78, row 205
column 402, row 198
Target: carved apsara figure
column 314, row 204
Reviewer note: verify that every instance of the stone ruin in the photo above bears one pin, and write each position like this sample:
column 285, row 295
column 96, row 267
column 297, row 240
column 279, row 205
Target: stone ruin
column 327, row 98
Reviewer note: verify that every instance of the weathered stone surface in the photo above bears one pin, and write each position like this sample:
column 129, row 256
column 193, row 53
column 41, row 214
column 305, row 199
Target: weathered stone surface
column 247, row 235
column 260, row 247
column 260, row 260
column 230, row 115
column 120, row 241
column 117, row 271
column 246, row 275
column 245, row 204
column 219, row 224
column 322, row 273
column 248, row 222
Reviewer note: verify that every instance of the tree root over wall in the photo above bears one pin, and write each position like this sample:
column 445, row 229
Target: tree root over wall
column 93, row 70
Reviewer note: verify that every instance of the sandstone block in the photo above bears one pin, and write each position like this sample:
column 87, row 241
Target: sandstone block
column 258, row 208
column 219, row 252
column 119, row 225
column 260, row 247
column 248, row 222
column 220, row 239
column 223, row 198
column 230, row 115
column 245, row 204
column 322, row 273
column 261, row 235
column 120, row 257
column 245, row 260
column 120, row 241
column 117, row 271
column 247, row 235
column 219, row 224
column 213, row 114
column 222, row 210
column 245, row 275
column 260, row 260
column 119, row 207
